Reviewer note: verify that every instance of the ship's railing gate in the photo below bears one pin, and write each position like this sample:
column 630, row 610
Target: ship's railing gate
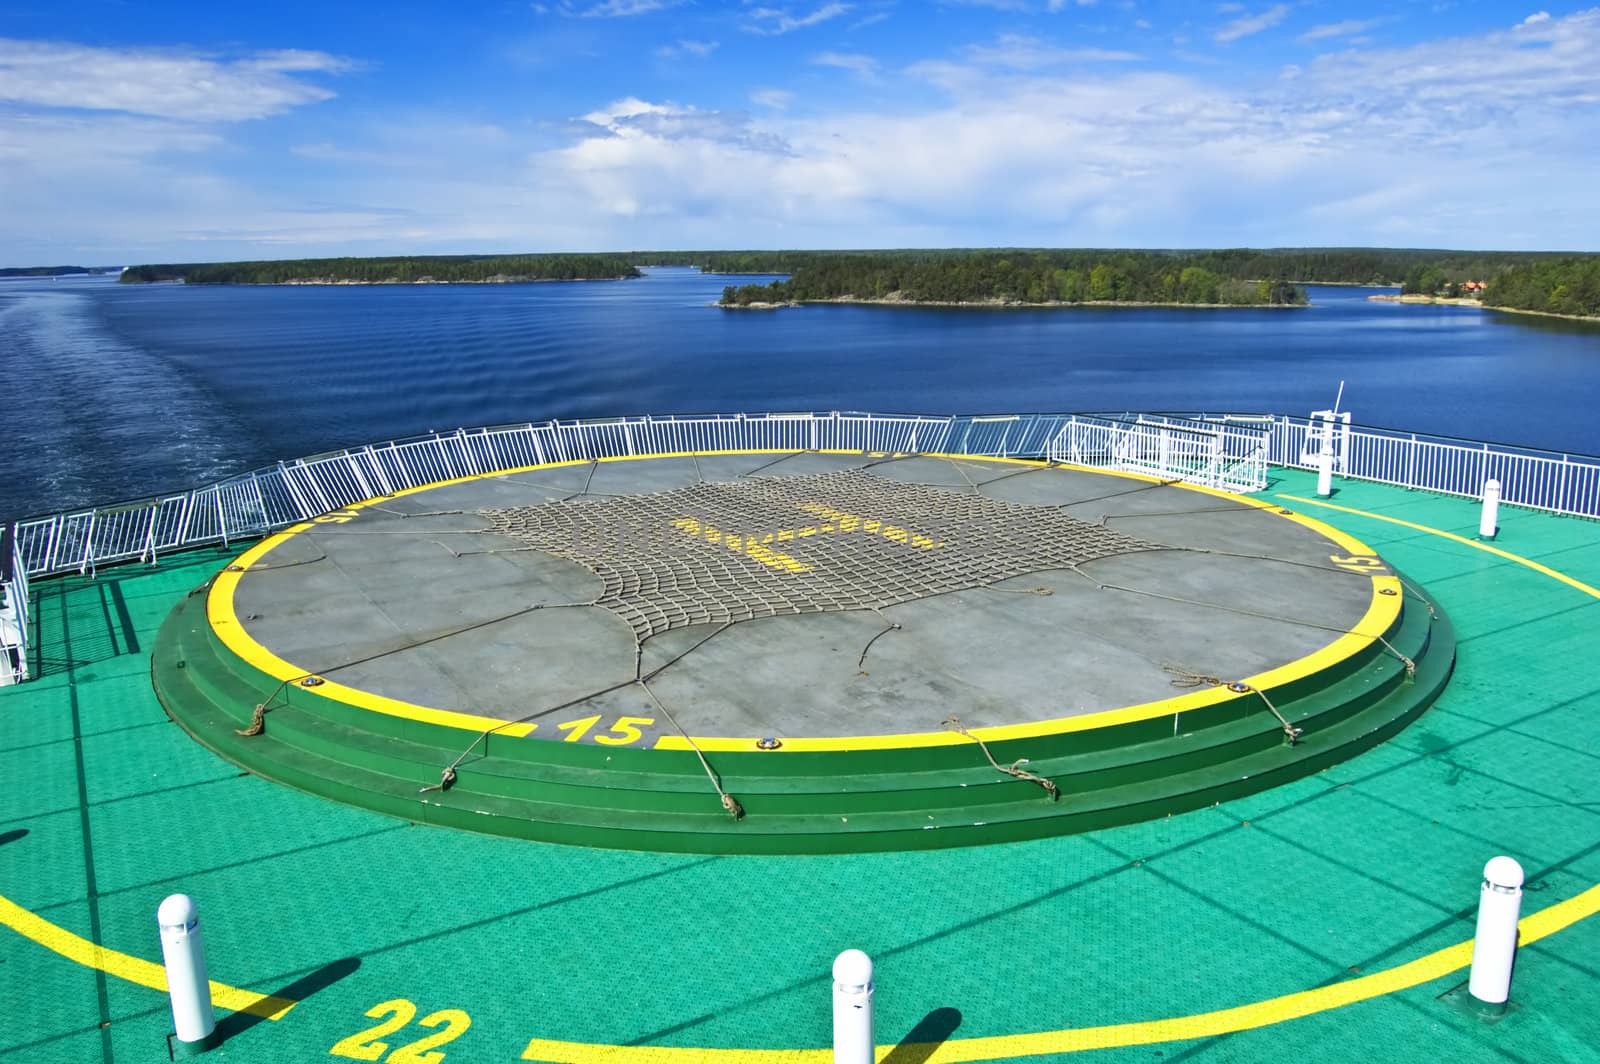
column 1230, row 451
column 1226, row 455
column 13, row 611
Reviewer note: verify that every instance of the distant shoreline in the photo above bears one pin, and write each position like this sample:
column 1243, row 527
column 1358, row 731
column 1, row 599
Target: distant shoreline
column 1002, row 304
column 1447, row 301
column 1547, row 314
column 330, row 281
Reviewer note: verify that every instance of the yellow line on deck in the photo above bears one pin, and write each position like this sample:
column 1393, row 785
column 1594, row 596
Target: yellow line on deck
column 1382, row 613
column 1474, row 543
column 133, row 969
column 1144, row 1032
column 1438, row 964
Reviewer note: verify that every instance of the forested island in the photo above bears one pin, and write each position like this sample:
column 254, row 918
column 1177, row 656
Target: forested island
column 1568, row 287
column 408, row 269
column 1034, row 278
column 1537, row 282
column 45, row 271
column 1354, row 266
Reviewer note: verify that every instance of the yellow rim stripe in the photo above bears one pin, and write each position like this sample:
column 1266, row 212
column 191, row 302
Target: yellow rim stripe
column 133, row 969
column 1435, row 965
column 225, row 621
column 1477, row 544
column 1424, row 969
column 1382, row 612
column 1146, row 1032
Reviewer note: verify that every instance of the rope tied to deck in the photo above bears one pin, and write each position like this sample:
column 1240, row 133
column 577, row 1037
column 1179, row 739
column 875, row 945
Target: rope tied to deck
column 1411, row 666
column 1014, row 769
column 1182, row 677
column 258, row 717
column 729, row 802
column 447, row 779
column 258, row 721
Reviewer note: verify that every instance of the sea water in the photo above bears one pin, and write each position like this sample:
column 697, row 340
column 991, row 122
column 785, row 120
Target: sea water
column 116, row 391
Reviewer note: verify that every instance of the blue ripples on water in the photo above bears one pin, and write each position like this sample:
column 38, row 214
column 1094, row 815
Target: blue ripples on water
column 115, row 391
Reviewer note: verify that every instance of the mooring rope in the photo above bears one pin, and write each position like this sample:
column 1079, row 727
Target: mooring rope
column 888, row 626
column 1186, row 678
column 449, row 776
column 1016, row 473
column 1119, row 494
column 258, row 718
column 1180, row 513
column 1410, row 665
column 729, row 802
column 775, row 461
column 424, row 513
column 1014, row 769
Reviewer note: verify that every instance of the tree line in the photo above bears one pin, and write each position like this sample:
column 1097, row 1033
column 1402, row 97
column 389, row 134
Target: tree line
column 1547, row 281
column 1563, row 286
column 1038, row 277
column 45, row 271
column 410, row 269
column 1364, row 266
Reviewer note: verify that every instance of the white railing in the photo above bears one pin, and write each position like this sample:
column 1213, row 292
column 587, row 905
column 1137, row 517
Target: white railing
column 1217, row 454
column 1540, row 480
column 1228, row 450
column 13, row 614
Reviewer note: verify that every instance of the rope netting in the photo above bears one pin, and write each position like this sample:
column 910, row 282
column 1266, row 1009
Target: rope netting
column 724, row 551
column 729, row 551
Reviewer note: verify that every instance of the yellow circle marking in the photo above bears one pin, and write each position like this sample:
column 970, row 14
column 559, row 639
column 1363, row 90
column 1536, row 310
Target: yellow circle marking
column 1382, row 612
column 1531, row 928
column 133, row 969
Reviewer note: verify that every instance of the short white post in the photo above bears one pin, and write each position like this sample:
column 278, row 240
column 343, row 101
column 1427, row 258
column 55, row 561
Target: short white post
column 1489, row 520
column 1325, row 462
column 1495, row 947
column 852, row 1008
column 183, row 952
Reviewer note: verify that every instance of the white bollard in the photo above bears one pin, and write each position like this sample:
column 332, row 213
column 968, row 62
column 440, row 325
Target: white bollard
column 183, row 952
column 1325, row 464
column 1495, row 947
column 1489, row 520
column 852, row 1008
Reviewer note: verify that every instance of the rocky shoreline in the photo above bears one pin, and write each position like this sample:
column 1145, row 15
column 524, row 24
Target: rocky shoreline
column 1413, row 297
column 1001, row 304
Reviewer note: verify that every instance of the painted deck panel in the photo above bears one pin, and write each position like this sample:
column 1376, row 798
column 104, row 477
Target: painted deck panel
column 1366, row 866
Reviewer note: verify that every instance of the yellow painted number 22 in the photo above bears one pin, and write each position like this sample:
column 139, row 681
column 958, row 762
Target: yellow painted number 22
column 366, row 1045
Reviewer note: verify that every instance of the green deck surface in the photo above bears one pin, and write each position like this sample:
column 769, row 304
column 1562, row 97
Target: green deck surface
column 1362, row 867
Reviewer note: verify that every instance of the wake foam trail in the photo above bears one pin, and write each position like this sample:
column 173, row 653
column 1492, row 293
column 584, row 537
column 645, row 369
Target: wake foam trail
column 93, row 419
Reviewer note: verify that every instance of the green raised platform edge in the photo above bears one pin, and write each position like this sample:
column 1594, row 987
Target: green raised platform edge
column 1110, row 938
column 1125, row 765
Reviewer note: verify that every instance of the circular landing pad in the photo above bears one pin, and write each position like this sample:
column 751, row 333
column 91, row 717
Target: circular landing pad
column 805, row 639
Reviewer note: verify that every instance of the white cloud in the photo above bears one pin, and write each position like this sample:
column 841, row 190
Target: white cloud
column 1454, row 83
column 1536, row 18
column 1247, row 25
column 624, row 8
column 1426, row 145
column 775, row 99
column 1030, row 53
column 863, row 66
column 772, row 21
column 605, row 8
column 160, row 82
column 1021, row 153
column 635, row 119
column 1348, row 28
column 698, row 49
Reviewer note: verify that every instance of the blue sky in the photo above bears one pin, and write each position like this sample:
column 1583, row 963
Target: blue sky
column 138, row 132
